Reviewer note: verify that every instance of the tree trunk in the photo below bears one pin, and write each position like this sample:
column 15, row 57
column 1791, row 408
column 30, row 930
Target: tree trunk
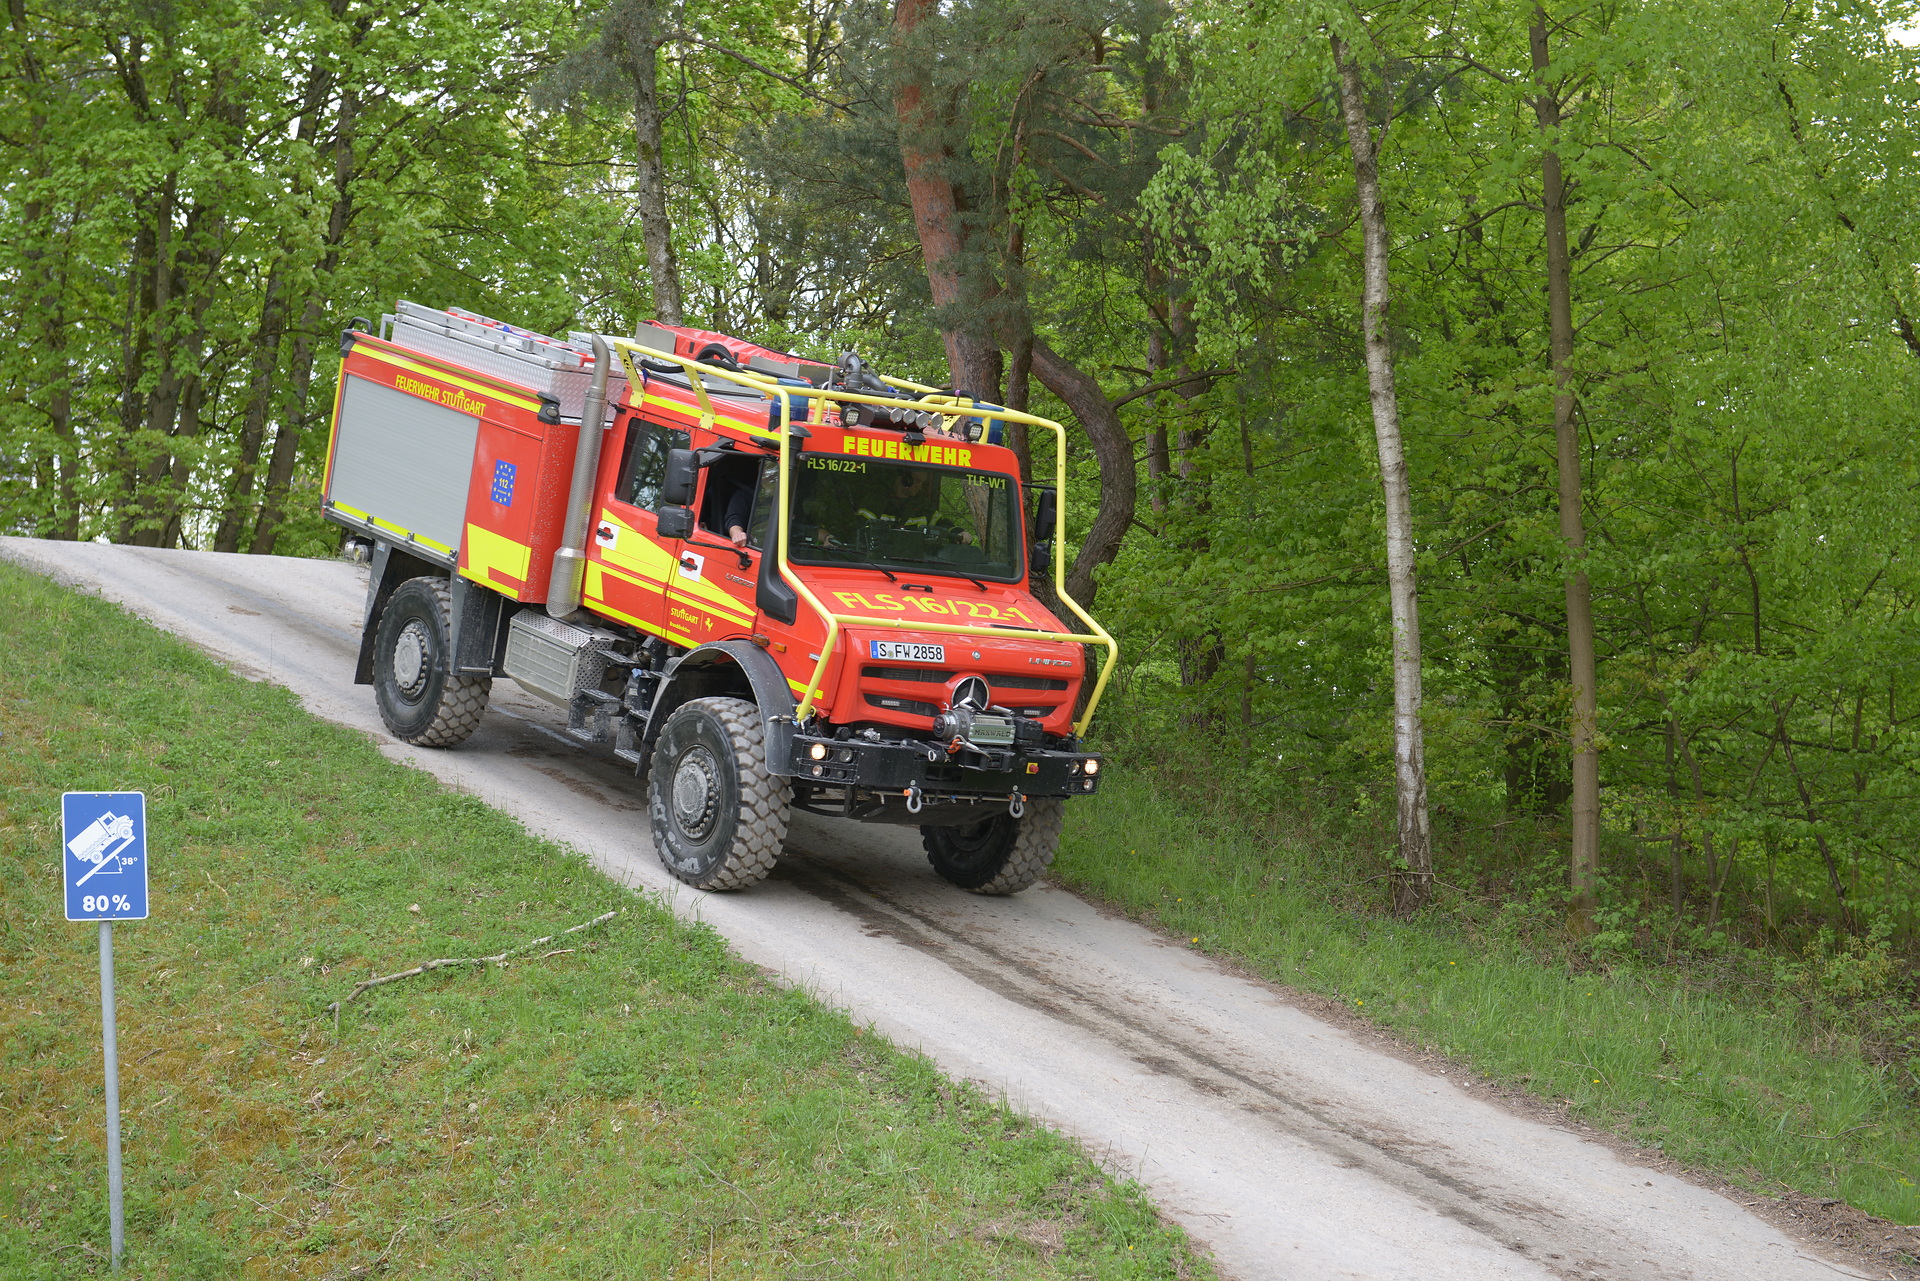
column 1019, row 339
column 299, row 413
column 650, row 184
column 1111, row 449
column 46, row 278
column 253, row 418
column 267, row 340
column 1413, row 881
column 972, row 360
column 1584, row 856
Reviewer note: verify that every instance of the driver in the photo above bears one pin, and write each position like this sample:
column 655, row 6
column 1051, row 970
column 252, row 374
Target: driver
column 910, row 501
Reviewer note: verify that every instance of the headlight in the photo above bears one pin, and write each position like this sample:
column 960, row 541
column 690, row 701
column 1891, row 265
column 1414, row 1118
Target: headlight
column 1092, row 767
column 818, row 751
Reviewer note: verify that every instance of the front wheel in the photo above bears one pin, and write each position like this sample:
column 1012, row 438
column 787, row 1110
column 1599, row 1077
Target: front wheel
column 719, row 817
column 1003, row 854
column 420, row 698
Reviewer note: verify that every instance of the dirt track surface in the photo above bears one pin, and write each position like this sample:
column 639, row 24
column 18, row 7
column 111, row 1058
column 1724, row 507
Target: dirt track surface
column 1286, row 1146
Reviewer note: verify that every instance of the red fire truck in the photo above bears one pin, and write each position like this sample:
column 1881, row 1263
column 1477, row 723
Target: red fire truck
column 766, row 582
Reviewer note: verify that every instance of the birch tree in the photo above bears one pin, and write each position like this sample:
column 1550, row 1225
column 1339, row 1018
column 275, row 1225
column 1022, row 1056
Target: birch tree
column 1413, row 878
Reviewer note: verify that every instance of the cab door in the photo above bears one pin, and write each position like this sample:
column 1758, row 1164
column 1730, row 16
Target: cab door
column 710, row 595
column 628, row 563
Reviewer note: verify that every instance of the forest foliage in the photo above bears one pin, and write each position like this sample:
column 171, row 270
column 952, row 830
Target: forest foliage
column 1151, row 234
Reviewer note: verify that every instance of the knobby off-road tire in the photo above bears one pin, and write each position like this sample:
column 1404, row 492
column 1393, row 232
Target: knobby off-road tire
column 1003, row 855
column 719, row 817
column 420, row 700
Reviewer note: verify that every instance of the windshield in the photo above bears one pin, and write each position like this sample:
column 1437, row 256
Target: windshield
column 891, row 515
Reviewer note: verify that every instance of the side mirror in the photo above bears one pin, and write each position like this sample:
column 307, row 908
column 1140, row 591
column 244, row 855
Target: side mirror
column 674, row 522
column 683, row 473
column 1046, row 511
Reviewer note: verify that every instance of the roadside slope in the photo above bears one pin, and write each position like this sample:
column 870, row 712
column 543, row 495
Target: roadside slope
column 1289, row 1147
column 625, row 1100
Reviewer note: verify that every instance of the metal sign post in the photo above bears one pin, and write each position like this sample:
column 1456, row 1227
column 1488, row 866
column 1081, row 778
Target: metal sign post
column 105, row 861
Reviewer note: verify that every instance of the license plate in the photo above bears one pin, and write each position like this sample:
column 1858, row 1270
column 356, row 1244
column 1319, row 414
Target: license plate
column 909, row 652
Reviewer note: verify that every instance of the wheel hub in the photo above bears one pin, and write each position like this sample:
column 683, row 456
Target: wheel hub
column 696, row 789
column 410, row 659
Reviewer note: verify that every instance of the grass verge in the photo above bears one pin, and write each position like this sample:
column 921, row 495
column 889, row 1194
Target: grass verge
column 635, row 1104
column 1738, row 1082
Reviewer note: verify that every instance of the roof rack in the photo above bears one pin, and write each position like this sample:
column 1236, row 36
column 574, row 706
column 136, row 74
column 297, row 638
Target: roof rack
column 559, row 368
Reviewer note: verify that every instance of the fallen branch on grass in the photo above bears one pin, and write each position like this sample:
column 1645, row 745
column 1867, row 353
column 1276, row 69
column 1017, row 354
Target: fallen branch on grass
column 366, row 985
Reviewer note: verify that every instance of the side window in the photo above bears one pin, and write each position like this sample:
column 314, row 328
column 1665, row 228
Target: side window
column 765, row 499
column 647, row 463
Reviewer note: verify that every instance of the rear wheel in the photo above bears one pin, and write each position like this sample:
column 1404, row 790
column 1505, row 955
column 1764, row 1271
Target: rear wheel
column 420, row 700
column 1002, row 855
column 719, row 817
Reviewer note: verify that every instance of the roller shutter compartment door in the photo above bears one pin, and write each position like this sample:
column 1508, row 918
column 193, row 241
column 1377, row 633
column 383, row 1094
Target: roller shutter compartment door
column 403, row 460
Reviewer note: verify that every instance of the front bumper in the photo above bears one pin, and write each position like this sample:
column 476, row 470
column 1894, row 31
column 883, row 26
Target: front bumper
column 926, row 767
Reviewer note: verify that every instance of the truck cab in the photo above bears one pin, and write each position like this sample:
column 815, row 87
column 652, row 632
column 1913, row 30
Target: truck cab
column 767, row 583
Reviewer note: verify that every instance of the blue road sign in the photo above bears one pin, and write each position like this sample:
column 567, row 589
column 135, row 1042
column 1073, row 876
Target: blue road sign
column 105, row 834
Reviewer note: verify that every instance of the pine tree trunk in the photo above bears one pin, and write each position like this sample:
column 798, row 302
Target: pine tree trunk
column 1584, row 855
column 972, row 361
column 1413, row 881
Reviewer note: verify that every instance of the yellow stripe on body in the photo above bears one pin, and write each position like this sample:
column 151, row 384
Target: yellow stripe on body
column 399, row 531
column 644, row 625
column 701, row 593
column 495, row 391
column 655, row 567
column 692, row 412
column 635, row 553
column 487, row 550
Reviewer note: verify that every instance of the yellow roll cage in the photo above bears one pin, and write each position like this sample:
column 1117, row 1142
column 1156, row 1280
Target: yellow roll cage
column 940, row 403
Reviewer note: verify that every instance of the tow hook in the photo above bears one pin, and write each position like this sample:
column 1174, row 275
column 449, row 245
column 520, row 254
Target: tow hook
column 913, row 800
column 1017, row 804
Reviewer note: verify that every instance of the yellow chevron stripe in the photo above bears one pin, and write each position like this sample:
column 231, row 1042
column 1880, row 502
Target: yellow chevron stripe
column 636, row 554
column 487, row 550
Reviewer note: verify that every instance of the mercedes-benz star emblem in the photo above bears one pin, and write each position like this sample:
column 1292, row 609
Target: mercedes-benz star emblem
column 972, row 692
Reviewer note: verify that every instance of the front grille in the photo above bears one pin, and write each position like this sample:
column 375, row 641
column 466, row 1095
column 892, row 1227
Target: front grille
column 925, row 674
column 1025, row 682
column 911, row 706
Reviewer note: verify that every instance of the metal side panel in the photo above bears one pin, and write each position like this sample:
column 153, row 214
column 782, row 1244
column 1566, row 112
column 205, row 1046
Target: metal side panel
column 403, row 462
column 553, row 659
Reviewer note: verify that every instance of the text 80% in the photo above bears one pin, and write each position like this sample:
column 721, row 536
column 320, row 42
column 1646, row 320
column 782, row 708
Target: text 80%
column 105, row 903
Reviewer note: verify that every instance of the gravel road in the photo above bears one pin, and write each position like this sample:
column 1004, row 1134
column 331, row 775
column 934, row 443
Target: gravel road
column 1286, row 1146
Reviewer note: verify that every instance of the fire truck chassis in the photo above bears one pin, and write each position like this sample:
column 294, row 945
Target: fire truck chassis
column 764, row 583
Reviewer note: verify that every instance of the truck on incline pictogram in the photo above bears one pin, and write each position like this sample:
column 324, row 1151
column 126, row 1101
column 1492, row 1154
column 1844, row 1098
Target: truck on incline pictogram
column 767, row 583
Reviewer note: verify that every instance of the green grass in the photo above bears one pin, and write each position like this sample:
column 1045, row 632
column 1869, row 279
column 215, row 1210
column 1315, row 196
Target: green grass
column 642, row 1105
column 1739, row 1082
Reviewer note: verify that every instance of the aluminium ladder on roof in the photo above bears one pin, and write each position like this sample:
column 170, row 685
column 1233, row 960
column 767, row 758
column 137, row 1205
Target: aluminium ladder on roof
column 544, row 365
